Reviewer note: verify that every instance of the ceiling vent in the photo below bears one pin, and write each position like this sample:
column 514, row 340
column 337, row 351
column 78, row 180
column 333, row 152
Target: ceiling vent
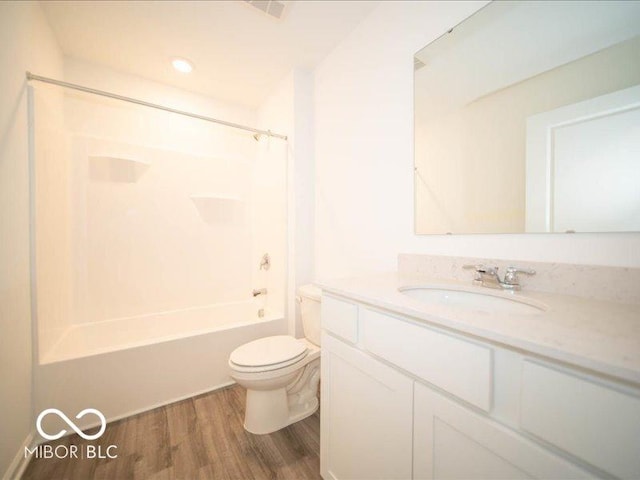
column 270, row 7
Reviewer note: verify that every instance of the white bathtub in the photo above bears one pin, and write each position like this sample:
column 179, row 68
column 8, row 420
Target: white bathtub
column 85, row 339
column 125, row 366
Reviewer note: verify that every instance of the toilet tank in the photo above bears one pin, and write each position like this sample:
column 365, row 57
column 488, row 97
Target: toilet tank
column 309, row 296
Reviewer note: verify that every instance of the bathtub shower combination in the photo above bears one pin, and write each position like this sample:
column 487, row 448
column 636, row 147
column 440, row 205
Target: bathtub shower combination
column 82, row 340
column 150, row 231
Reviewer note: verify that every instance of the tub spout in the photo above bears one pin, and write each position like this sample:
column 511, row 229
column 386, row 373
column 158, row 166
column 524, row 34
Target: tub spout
column 259, row 291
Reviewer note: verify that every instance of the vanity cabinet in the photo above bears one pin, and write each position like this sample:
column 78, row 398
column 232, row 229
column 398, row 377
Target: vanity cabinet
column 449, row 362
column 451, row 441
column 595, row 421
column 404, row 399
column 366, row 416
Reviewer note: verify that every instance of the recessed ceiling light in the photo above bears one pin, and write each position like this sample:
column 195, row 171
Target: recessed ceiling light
column 182, row 65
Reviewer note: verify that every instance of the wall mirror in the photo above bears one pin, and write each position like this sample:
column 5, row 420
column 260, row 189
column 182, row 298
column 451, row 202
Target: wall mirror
column 527, row 119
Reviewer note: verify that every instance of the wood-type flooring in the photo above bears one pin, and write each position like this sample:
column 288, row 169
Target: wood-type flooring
column 198, row 438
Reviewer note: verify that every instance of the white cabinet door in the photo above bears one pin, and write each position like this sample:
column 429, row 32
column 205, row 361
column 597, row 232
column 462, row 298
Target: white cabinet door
column 366, row 420
column 452, row 442
column 593, row 421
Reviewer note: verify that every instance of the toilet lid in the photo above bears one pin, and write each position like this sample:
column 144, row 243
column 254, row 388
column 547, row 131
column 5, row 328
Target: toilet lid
column 268, row 351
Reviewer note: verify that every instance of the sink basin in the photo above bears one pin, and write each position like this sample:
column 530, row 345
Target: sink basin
column 488, row 302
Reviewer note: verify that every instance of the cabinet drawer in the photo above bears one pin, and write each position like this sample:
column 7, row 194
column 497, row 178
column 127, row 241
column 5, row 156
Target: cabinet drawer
column 340, row 318
column 596, row 423
column 459, row 367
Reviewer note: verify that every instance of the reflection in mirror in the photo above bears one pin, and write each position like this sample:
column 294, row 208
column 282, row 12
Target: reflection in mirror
column 527, row 119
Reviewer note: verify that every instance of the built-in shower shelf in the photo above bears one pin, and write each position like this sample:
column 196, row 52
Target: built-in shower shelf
column 116, row 168
column 118, row 159
column 215, row 208
column 215, row 197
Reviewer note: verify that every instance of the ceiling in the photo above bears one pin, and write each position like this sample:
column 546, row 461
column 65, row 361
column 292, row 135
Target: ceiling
column 240, row 53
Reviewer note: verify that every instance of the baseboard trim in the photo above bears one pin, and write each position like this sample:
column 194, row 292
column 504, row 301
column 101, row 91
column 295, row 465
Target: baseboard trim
column 115, row 418
column 20, row 462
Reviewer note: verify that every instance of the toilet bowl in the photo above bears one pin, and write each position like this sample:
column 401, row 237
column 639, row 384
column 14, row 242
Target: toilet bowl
column 281, row 373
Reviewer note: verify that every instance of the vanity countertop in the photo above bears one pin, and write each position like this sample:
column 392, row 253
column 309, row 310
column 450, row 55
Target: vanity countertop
column 600, row 336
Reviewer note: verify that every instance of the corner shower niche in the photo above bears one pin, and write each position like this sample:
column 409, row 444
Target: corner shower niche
column 111, row 168
column 215, row 208
column 147, row 225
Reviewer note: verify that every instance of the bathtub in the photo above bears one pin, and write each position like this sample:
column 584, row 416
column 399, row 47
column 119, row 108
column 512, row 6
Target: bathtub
column 85, row 339
column 129, row 365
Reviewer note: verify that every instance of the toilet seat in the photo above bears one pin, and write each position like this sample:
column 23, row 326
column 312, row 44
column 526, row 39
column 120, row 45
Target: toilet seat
column 269, row 353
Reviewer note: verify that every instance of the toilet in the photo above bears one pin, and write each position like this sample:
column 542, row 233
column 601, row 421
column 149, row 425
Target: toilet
column 281, row 373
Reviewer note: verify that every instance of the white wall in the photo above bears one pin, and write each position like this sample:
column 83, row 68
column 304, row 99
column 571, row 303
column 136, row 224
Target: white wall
column 51, row 206
column 364, row 157
column 272, row 172
column 26, row 43
column 303, row 187
column 289, row 110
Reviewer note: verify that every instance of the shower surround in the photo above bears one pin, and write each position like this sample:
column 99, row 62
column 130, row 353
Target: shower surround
column 149, row 228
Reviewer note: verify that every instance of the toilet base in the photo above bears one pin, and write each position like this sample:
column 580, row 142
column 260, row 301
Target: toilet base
column 270, row 410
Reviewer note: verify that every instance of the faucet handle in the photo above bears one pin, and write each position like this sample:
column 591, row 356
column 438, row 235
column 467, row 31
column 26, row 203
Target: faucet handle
column 511, row 274
column 477, row 276
column 470, row 266
column 480, row 268
column 526, row 271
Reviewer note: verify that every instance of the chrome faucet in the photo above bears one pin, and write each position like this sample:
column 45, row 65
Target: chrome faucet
column 259, row 291
column 488, row 276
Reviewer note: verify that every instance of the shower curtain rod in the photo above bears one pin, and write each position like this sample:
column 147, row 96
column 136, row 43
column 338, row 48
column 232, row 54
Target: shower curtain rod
column 60, row 83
